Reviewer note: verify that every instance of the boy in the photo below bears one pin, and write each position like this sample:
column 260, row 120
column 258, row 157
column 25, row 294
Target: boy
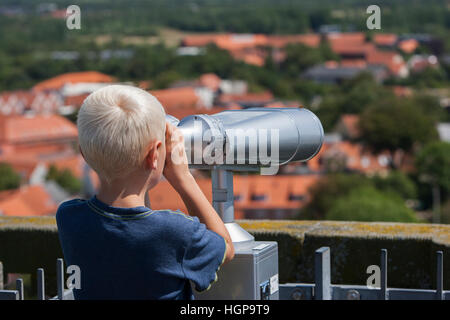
column 124, row 249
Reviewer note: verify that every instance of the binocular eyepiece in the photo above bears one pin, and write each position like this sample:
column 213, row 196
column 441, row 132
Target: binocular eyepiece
column 261, row 137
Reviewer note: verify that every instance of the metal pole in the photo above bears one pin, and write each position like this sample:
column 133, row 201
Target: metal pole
column 322, row 275
column 40, row 284
column 440, row 276
column 60, row 278
column 222, row 194
column 1, row 275
column 383, row 289
column 19, row 288
column 223, row 203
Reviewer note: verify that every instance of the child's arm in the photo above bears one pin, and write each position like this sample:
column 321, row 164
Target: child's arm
column 177, row 173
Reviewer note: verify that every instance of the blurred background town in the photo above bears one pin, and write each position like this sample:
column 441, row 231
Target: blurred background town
column 383, row 97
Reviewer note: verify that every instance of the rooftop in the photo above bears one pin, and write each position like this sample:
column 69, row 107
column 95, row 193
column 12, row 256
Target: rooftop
column 56, row 83
column 30, row 200
column 22, row 128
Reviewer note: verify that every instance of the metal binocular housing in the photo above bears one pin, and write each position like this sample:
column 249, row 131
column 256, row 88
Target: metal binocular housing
column 254, row 139
column 251, row 137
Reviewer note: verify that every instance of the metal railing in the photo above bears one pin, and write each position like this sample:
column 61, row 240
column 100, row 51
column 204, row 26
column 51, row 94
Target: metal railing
column 322, row 289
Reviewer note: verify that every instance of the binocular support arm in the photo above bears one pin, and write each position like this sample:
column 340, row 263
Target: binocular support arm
column 222, row 194
column 223, row 203
column 241, row 140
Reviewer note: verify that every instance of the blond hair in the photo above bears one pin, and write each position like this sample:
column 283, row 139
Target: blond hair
column 116, row 124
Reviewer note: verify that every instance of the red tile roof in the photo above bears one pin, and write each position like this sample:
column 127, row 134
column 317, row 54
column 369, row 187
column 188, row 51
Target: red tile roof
column 210, row 80
column 27, row 201
column 75, row 101
column 181, row 113
column 240, row 41
column 280, row 41
column 252, row 58
column 408, row 46
column 347, row 37
column 357, row 157
column 385, row 39
column 392, row 60
column 263, row 97
column 38, row 128
column 278, row 192
column 58, row 82
column 233, row 42
column 184, row 97
column 352, row 49
column 19, row 101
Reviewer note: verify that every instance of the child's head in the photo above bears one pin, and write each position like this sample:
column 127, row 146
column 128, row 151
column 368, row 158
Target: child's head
column 120, row 128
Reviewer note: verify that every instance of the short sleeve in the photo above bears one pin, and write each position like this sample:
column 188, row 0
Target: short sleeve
column 203, row 256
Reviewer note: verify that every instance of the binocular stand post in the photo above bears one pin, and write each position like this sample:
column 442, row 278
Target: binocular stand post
column 223, row 203
column 253, row 273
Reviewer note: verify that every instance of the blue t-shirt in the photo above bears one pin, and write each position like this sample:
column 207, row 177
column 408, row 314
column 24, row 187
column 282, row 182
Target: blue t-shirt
column 137, row 253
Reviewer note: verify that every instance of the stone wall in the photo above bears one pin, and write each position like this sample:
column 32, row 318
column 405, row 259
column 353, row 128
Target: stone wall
column 30, row 243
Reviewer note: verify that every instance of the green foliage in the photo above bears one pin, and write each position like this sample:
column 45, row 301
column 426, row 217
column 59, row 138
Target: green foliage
column 369, row 204
column 299, row 57
column 353, row 97
column 397, row 182
column 428, row 78
column 395, row 123
column 433, row 164
column 325, row 192
column 65, row 179
column 164, row 79
column 9, row 179
column 335, row 187
column 445, row 212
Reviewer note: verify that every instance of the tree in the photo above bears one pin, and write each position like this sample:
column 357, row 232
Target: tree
column 299, row 57
column 369, row 204
column 433, row 168
column 65, row 179
column 9, row 179
column 393, row 123
column 433, row 163
column 360, row 92
column 352, row 97
column 397, row 182
column 326, row 191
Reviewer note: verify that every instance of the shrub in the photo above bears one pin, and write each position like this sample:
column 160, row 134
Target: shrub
column 369, row 204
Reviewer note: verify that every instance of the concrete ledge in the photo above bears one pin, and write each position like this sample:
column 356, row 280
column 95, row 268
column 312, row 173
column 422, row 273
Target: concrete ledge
column 356, row 245
column 30, row 243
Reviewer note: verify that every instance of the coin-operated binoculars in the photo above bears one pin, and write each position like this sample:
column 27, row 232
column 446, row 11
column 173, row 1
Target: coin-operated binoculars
column 255, row 139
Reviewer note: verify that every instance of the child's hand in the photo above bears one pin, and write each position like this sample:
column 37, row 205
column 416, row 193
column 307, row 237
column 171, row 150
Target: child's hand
column 177, row 173
column 176, row 166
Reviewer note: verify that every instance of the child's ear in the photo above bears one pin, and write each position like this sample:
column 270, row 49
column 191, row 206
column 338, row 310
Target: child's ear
column 153, row 154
